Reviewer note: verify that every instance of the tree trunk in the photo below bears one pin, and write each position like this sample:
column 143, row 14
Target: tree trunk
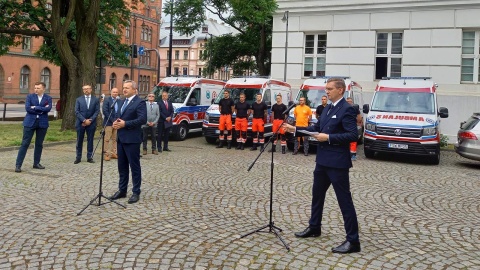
column 262, row 69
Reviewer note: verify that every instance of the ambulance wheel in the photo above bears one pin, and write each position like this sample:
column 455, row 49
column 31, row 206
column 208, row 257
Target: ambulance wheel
column 435, row 160
column 369, row 153
column 211, row 140
column 182, row 132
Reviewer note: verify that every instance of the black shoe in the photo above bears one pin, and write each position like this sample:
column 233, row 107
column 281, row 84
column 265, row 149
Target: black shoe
column 159, row 150
column 253, row 148
column 306, row 154
column 118, row 195
column 274, row 149
column 167, row 150
column 283, row 150
column 220, row 144
column 242, row 146
column 347, row 247
column 90, row 160
column 18, row 169
column 77, row 161
column 239, row 145
column 295, row 152
column 134, row 198
column 38, row 166
column 309, row 232
column 229, row 145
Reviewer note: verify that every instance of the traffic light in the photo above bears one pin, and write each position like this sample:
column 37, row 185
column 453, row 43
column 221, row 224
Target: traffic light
column 134, row 50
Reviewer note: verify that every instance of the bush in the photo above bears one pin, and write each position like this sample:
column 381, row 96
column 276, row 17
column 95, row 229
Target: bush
column 443, row 140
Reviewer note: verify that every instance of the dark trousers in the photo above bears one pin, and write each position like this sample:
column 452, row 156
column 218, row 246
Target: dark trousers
column 27, row 139
column 339, row 179
column 162, row 135
column 90, row 130
column 129, row 157
column 153, row 134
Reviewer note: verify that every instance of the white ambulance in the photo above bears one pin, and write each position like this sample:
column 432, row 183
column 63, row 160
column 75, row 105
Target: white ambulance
column 313, row 89
column 191, row 97
column 404, row 118
column 250, row 86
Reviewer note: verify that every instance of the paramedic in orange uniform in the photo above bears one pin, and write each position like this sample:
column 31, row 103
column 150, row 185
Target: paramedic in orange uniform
column 259, row 109
column 225, row 106
column 242, row 110
column 278, row 117
column 303, row 114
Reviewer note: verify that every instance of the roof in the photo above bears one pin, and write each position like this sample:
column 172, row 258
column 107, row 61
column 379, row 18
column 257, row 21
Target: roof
column 407, row 85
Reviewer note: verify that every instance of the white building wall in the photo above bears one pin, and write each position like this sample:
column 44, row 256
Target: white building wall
column 432, row 43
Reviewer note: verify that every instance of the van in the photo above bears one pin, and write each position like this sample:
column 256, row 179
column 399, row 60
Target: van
column 191, row 97
column 313, row 89
column 404, row 118
column 250, row 86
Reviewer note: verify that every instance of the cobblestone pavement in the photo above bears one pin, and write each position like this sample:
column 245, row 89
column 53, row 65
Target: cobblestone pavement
column 197, row 201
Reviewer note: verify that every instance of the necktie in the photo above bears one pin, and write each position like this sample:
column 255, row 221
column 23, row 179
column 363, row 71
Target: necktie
column 88, row 102
column 116, row 105
column 151, row 106
column 166, row 104
column 124, row 105
column 330, row 109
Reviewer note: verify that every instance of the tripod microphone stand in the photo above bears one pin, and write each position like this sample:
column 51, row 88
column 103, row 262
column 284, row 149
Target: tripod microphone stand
column 271, row 226
column 100, row 195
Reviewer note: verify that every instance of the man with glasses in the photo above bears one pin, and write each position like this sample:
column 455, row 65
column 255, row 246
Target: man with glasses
column 336, row 129
column 153, row 114
column 87, row 108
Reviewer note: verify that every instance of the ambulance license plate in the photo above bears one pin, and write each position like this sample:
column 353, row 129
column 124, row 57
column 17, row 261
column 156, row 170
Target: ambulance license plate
column 398, row 146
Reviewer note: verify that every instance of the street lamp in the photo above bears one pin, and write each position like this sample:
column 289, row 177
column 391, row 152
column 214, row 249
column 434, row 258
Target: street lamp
column 285, row 20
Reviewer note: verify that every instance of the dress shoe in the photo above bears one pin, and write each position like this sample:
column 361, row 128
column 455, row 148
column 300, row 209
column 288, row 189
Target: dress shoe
column 134, row 198
column 160, row 150
column 18, row 169
column 306, row 154
column 295, row 152
column 114, row 156
column 106, row 158
column 347, row 247
column 118, row 195
column 309, row 232
column 155, row 152
column 144, row 152
column 38, row 166
column 167, row 150
column 77, row 161
column 90, row 160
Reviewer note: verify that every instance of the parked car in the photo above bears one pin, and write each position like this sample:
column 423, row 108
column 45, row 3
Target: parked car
column 467, row 144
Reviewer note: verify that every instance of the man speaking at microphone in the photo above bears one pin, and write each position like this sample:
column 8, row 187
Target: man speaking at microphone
column 336, row 129
column 132, row 115
column 110, row 108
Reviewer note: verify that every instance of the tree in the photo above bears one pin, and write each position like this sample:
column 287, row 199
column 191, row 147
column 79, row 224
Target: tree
column 72, row 30
column 249, row 49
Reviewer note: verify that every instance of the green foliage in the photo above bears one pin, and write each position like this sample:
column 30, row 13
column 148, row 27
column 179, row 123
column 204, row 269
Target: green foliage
column 443, row 140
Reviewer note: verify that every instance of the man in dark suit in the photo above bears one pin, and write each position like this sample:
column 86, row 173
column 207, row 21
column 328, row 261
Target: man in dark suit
column 110, row 132
column 87, row 108
column 336, row 129
column 165, row 122
column 131, row 116
column 37, row 106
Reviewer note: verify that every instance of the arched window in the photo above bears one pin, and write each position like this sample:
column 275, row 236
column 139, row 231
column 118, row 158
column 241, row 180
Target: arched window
column 113, row 80
column 125, row 77
column 127, row 31
column 45, row 77
column 150, row 34
column 24, row 78
column 148, row 84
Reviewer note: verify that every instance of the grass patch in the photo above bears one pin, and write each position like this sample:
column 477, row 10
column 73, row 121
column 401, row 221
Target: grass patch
column 11, row 134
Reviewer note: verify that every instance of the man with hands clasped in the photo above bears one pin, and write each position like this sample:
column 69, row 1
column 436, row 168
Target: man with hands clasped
column 336, row 129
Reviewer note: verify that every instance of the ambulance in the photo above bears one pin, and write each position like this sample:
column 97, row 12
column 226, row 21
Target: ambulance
column 313, row 89
column 250, row 86
column 404, row 118
column 191, row 96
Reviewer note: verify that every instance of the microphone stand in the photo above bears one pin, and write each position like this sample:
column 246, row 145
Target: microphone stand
column 271, row 226
column 100, row 192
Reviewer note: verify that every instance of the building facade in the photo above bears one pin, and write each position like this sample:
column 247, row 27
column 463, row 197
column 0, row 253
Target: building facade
column 368, row 40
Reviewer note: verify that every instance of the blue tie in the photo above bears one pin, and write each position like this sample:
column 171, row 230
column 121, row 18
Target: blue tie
column 124, row 106
column 330, row 109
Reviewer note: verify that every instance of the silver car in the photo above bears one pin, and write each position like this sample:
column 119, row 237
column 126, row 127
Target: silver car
column 468, row 145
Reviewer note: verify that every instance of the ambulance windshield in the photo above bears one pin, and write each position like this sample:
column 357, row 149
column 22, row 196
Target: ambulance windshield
column 176, row 94
column 404, row 102
column 235, row 94
column 313, row 97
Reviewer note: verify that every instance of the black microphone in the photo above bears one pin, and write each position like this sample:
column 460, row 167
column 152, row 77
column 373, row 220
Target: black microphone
column 116, row 99
column 289, row 108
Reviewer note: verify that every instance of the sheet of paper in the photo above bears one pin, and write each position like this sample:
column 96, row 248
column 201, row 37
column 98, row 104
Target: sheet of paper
column 308, row 132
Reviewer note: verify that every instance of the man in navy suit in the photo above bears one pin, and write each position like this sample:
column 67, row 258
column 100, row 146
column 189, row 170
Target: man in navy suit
column 110, row 132
column 165, row 122
column 87, row 108
column 336, row 129
column 131, row 117
column 37, row 106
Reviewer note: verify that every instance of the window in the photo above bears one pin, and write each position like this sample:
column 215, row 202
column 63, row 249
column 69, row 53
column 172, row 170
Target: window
column 388, row 60
column 150, row 34
column 127, row 31
column 175, row 71
column 199, row 71
column 200, row 53
column 26, row 43
column 24, row 78
column 113, row 81
column 470, row 57
column 177, row 55
column 185, row 55
column 114, row 30
column 147, row 84
column 45, row 77
column 185, row 71
column 315, row 53
column 125, row 77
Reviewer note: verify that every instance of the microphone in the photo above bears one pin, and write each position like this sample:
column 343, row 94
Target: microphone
column 113, row 104
column 290, row 107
